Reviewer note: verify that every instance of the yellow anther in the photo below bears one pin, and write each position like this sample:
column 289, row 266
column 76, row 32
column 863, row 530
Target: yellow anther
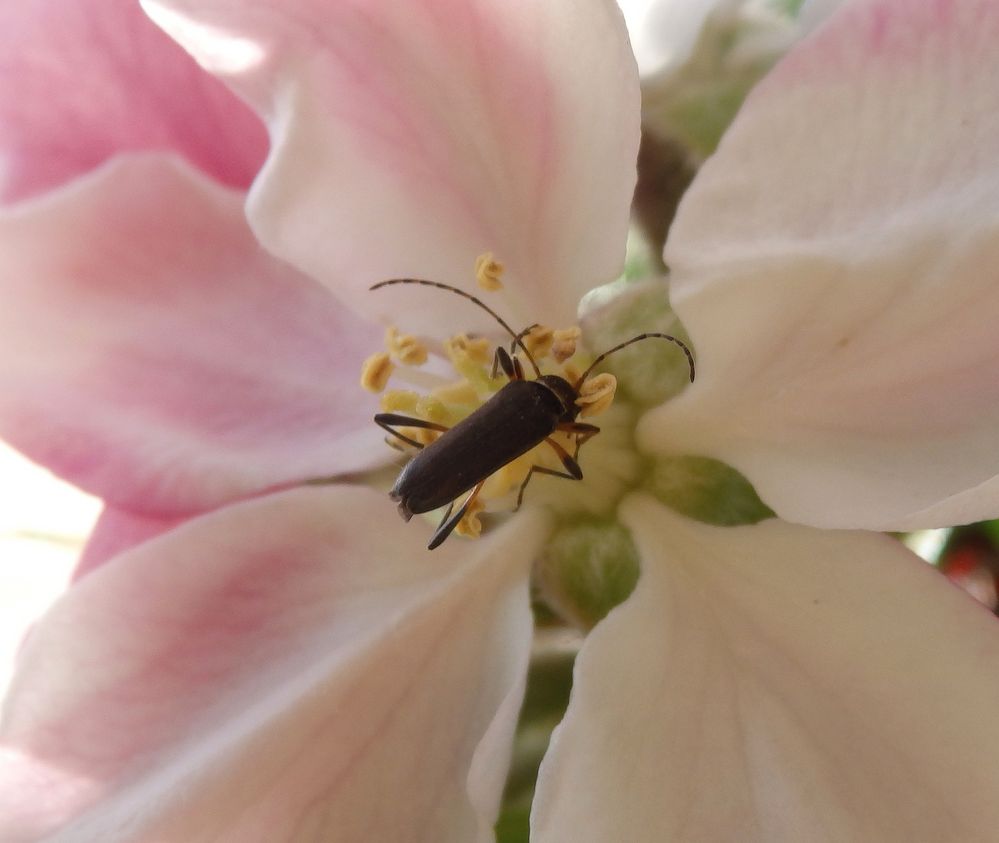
column 564, row 343
column 432, row 409
column 596, row 394
column 405, row 348
column 470, row 525
column 488, row 271
column 461, row 347
column 399, row 399
column 376, row 371
column 459, row 392
column 539, row 341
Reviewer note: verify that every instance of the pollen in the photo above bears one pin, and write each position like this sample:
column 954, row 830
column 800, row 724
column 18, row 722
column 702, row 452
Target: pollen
column 488, row 271
column 564, row 343
column 405, row 348
column 376, row 371
column 596, row 394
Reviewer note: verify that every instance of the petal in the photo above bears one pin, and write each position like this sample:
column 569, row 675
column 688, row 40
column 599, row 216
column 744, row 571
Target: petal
column 118, row 530
column 43, row 523
column 408, row 138
column 664, row 33
column 154, row 355
column 82, row 81
column 275, row 670
column 833, row 266
column 777, row 682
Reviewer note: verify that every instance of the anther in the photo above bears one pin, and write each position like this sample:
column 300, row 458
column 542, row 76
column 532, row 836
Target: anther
column 539, row 341
column 376, row 371
column 405, row 348
column 461, row 347
column 564, row 343
column 488, row 271
column 596, row 394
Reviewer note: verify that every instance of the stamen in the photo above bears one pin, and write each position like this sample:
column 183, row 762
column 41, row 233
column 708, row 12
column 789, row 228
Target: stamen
column 596, row 394
column 376, row 371
column 405, row 348
column 488, row 271
column 459, row 392
column 396, row 400
column 564, row 343
column 433, row 409
column 462, row 347
column 539, row 341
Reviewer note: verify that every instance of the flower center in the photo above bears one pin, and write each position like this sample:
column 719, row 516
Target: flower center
column 526, row 395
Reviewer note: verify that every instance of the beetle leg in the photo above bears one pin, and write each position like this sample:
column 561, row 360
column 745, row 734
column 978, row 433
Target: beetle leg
column 510, row 365
column 540, row 470
column 447, row 525
column 571, row 466
column 572, row 469
column 584, row 432
column 386, row 420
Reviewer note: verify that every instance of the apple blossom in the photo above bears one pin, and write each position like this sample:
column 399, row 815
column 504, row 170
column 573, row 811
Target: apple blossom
column 248, row 659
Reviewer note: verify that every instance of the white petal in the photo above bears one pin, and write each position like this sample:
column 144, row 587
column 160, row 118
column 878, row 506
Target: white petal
column 778, row 683
column 408, row 138
column 294, row 667
column 834, row 265
column 664, row 32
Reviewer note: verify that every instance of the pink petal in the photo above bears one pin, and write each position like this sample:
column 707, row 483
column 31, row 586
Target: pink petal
column 118, row 530
column 154, row 355
column 279, row 669
column 83, row 81
column 408, row 138
column 834, row 266
column 778, row 682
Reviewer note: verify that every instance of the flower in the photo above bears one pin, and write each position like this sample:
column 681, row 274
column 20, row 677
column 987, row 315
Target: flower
column 249, row 661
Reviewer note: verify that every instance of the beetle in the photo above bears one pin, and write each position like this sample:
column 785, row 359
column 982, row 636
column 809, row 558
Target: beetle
column 520, row 416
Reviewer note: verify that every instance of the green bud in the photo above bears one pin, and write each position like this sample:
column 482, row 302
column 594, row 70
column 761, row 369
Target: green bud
column 706, row 490
column 648, row 372
column 588, row 568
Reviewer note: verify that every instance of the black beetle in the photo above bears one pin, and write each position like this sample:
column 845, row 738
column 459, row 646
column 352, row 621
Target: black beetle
column 521, row 415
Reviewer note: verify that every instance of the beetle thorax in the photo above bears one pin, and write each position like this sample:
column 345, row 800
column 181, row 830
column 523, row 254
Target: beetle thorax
column 565, row 393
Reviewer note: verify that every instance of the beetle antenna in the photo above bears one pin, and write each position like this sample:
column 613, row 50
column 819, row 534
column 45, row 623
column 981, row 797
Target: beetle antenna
column 517, row 338
column 672, row 339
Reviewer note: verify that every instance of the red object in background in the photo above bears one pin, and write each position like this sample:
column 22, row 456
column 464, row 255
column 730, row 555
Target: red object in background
column 971, row 560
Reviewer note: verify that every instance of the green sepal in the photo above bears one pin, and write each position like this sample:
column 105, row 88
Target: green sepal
column 707, row 490
column 588, row 568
